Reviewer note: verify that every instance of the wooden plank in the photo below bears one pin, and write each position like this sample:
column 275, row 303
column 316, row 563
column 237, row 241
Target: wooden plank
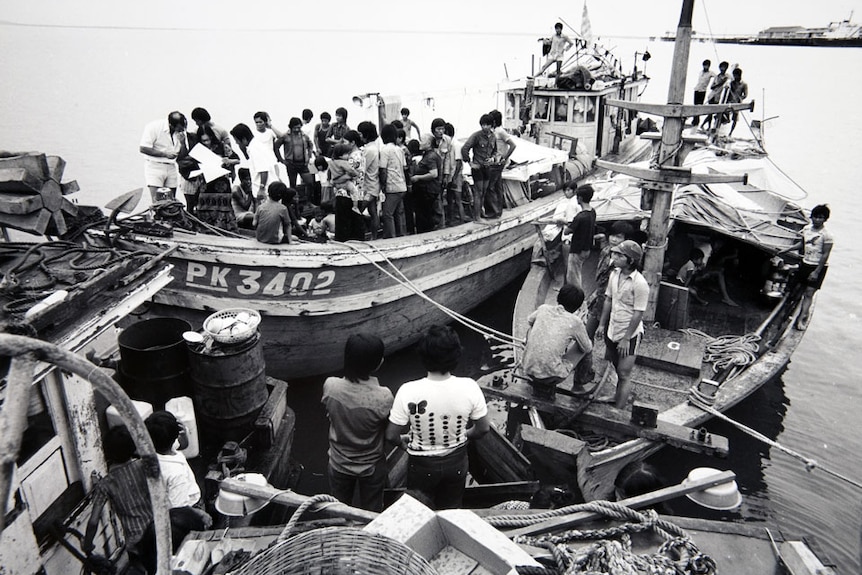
column 33, row 162
column 271, row 416
column 607, row 418
column 56, row 167
column 672, row 351
column 69, row 207
column 51, row 195
column 554, row 455
column 493, row 459
column 19, row 180
column 70, row 187
column 35, row 222
column 800, row 560
column 639, row 502
column 57, row 225
column 19, row 203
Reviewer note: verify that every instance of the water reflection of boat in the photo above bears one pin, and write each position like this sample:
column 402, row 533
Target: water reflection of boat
column 308, row 292
column 730, row 198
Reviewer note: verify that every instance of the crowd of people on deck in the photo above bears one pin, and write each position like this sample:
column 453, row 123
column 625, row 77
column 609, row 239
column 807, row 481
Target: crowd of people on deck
column 325, row 181
column 721, row 88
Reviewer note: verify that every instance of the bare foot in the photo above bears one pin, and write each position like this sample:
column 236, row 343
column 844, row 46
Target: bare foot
column 730, row 302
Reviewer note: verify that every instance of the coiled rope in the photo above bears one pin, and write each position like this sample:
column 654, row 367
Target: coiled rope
column 810, row 464
column 728, row 350
column 678, row 554
column 399, row 277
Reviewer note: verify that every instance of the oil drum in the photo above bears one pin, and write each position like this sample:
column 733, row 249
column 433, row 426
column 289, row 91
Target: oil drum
column 229, row 383
column 153, row 360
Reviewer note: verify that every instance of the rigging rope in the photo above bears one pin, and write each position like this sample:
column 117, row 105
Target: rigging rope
column 810, row 464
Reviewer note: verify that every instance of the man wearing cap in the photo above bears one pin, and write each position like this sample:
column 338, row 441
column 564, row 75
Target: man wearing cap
column 625, row 302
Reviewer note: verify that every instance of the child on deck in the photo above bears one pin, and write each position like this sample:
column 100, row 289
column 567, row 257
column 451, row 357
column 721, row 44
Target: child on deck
column 343, row 175
column 557, row 341
column 184, row 494
column 318, row 227
column 322, row 178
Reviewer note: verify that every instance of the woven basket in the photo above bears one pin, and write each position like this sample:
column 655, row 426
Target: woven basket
column 231, row 314
column 334, row 551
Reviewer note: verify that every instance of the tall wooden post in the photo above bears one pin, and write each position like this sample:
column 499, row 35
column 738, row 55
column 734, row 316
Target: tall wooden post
column 671, row 136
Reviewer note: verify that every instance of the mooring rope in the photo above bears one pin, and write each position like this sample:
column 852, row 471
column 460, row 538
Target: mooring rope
column 399, row 277
column 810, row 464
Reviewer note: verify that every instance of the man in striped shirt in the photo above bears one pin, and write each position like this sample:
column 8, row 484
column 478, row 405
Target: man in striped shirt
column 125, row 486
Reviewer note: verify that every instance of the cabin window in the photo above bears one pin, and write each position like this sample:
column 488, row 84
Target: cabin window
column 591, row 108
column 511, row 106
column 561, row 109
column 543, row 108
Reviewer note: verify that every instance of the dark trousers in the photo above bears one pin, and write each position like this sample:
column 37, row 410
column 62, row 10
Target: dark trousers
column 424, row 199
column 348, row 224
column 494, row 198
column 342, row 486
column 699, row 97
column 294, row 169
column 438, row 481
column 409, row 211
column 481, row 187
column 393, row 215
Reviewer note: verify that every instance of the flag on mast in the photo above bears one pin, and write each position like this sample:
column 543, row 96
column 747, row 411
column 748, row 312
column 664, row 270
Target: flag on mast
column 586, row 28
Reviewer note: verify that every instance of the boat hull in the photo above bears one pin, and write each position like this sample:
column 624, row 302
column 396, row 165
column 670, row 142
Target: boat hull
column 312, row 296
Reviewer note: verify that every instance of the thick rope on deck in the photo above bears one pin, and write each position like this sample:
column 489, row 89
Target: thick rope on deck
column 675, row 557
column 728, row 350
column 606, row 508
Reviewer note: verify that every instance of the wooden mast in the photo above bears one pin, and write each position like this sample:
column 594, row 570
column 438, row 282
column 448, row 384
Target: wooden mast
column 665, row 171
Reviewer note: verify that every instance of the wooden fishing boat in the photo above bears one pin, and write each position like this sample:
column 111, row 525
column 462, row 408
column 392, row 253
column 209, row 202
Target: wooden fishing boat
column 309, row 293
column 695, row 361
column 504, row 540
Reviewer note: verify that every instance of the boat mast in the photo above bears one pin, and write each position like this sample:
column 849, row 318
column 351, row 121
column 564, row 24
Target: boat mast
column 671, row 134
column 666, row 171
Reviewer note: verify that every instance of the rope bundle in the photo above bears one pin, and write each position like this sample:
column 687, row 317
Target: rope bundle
column 729, row 350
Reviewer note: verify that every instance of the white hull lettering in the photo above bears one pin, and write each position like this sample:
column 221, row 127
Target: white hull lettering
column 245, row 282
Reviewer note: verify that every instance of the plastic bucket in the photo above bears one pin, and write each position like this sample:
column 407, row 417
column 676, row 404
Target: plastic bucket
column 229, row 384
column 153, row 360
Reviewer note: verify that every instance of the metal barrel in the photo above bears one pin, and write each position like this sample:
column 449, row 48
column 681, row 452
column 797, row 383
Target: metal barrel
column 229, row 384
column 153, row 360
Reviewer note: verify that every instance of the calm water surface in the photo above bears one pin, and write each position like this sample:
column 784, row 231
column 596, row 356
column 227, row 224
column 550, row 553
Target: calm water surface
column 86, row 94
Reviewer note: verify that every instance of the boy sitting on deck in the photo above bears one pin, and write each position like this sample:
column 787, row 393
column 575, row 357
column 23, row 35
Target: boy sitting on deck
column 557, row 342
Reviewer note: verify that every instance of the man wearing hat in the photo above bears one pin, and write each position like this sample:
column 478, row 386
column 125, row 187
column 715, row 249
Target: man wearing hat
column 625, row 302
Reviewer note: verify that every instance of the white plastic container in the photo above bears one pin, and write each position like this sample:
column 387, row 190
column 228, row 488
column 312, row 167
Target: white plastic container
column 114, row 420
column 183, row 409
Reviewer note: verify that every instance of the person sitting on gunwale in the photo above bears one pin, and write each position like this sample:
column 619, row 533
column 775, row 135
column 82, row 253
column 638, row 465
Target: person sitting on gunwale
column 272, row 220
column 557, row 341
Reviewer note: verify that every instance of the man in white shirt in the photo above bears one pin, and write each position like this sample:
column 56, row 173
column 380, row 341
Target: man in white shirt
column 161, row 143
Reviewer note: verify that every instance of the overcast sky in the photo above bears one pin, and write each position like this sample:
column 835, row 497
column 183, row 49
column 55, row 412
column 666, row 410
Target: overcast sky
column 608, row 17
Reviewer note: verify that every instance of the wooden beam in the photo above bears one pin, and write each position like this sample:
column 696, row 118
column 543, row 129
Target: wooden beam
column 639, row 502
column 680, row 110
column 672, row 176
column 291, row 499
column 19, row 180
column 18, row 203
column 606, row 417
